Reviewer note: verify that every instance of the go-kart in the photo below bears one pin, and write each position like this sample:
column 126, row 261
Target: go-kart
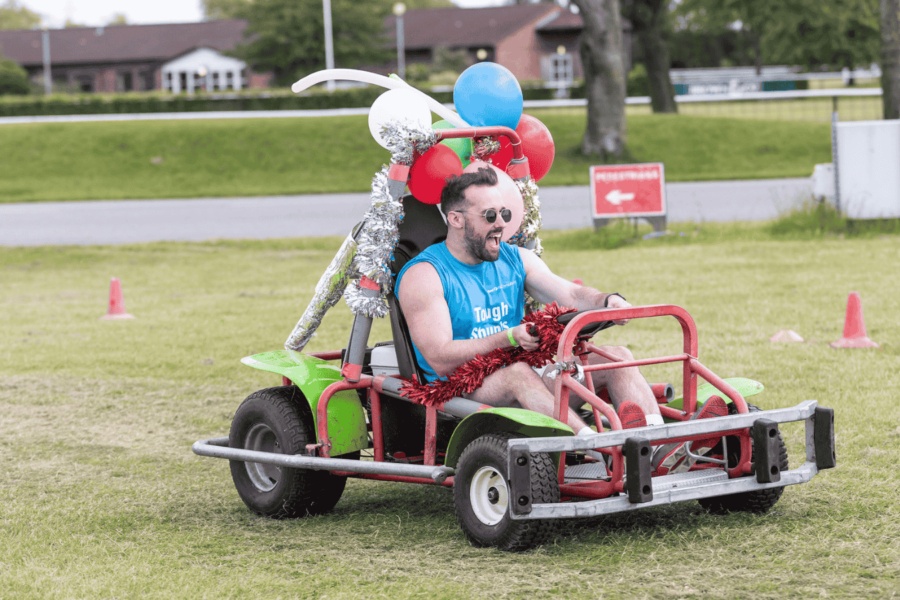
column 514, row 473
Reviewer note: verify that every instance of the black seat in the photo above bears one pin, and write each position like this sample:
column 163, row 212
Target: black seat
column 422, row 226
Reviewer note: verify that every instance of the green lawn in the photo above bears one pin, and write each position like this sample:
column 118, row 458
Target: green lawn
column 184, row 159
column 102, row 497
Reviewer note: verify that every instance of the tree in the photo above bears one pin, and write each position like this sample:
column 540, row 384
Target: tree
column 15, row 16
column 890, row 58
column 604, row 77
column 118, row 19
column 650, row 23
column 214, row 10
column 286, row 37
column 70, row 24
column 813, row 33
column 13, row 78
column 749, row 17
column 217, row 10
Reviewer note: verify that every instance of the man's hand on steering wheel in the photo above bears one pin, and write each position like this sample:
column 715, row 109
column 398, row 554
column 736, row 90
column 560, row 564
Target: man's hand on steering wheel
column 616, row 301
column 524, row 339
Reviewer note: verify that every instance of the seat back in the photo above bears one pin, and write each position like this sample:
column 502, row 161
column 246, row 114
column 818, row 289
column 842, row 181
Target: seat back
column 422, row 226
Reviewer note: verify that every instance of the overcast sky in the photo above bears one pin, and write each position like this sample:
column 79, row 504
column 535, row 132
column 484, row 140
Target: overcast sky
column 100, row 12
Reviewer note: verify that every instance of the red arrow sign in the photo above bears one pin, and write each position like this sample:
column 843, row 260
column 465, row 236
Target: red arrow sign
column 628, row 190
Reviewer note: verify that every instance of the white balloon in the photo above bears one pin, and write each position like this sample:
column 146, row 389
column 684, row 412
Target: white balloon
column 373, row 79
column 398, row 105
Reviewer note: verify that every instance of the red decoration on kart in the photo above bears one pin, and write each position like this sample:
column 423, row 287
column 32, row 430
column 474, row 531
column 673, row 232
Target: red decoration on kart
column 470, row 375
column 430, row 171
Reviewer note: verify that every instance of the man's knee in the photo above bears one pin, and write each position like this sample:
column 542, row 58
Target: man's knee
column 620, row 352
column 521, row 372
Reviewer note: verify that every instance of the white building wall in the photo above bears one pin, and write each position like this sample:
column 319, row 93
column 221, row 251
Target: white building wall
column 203, row 68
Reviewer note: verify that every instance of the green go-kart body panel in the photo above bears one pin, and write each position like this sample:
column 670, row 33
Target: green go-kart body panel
column 745, row 387
column 523, row 423
column 347, row 429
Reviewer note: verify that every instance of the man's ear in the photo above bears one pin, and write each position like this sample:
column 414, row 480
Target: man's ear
column 455, row 219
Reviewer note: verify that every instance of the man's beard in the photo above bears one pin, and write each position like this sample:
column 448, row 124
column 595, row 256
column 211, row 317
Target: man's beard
column 478, row 246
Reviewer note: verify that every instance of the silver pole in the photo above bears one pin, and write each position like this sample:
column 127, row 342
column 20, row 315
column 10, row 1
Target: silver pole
column 329, row 46
column 45, row 42
column 401, row 52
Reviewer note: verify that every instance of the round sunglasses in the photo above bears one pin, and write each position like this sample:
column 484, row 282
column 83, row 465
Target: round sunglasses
column 490, row 215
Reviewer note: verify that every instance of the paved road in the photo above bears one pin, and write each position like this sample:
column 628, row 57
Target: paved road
column 130, row 221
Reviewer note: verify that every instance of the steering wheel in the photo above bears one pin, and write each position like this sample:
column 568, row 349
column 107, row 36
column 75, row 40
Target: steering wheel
column 588, row 330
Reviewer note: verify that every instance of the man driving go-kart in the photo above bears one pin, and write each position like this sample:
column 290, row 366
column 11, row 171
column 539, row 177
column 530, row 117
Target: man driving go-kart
column 464, row 297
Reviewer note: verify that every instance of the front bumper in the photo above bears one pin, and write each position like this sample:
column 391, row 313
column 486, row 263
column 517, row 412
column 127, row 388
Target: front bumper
column 706, row 483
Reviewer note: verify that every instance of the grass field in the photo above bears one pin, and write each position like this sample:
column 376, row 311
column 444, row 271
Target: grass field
column 183, row 159
column 102, row 497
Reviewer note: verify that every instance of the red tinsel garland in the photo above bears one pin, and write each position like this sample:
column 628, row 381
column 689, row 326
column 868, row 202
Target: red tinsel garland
column 469, row 376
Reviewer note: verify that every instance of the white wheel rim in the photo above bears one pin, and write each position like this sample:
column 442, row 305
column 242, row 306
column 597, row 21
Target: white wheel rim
column 488, row 495
column 262, row 439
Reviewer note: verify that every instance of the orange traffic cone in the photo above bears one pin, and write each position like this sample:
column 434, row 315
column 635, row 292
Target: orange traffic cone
column 854, row 326
column 116, row 302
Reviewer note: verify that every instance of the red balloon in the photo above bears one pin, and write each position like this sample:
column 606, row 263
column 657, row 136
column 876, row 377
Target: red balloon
column 430, row 171
column 537, row 143
column 501, row 158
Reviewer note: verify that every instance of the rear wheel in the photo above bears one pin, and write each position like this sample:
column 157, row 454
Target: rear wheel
column 757, row 502
column 481, row 496
column 279, row 420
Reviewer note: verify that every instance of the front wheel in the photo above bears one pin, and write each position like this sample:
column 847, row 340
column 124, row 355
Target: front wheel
column 279, row 420
column 481, row 496
column 757, row 502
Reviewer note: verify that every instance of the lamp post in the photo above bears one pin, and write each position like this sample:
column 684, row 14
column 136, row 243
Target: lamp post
column 399, row 11
column 45, row 43
column 329, row 46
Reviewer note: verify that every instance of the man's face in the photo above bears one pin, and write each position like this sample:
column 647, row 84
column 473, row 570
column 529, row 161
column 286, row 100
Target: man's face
column 483, row 238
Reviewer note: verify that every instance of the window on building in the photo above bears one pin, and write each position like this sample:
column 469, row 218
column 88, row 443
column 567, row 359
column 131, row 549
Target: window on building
column 183, row 80
column 215, row 80
column 167, row 81
column 229, row 80
column 126, row 82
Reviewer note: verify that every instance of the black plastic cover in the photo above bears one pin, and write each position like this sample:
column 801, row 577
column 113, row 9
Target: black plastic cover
column 766, row 451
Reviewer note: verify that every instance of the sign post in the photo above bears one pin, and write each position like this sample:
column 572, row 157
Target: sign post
column 629, row 191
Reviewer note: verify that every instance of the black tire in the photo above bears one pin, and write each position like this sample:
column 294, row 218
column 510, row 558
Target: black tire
column 484, row 463
column 279, row 420
column 758, row 502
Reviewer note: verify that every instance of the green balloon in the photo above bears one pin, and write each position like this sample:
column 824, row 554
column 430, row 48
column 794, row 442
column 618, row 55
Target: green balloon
column 463, row 147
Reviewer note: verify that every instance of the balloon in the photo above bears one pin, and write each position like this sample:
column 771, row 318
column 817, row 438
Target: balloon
column 501, row 158
column 461, row 146
column 398, row 105
column 430, row 171
column 512, row 197
column 385, row 82
column 537, row 144
column 488, row 94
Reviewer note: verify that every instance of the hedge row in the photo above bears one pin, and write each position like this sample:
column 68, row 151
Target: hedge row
column 352, row 98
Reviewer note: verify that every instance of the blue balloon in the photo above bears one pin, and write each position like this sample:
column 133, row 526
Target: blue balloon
column 488, row 94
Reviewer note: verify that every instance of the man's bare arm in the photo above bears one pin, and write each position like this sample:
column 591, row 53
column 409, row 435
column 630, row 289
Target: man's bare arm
column 545, row 286
column 428, row 317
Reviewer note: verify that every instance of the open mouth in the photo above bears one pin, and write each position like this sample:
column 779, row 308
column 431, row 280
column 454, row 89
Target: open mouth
column 492, row 242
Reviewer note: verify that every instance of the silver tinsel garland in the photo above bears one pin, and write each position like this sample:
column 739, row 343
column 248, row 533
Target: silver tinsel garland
column 378, row 234
column 527, row 234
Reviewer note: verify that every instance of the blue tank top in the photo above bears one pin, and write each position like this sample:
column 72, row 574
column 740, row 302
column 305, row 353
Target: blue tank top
column 483, row 299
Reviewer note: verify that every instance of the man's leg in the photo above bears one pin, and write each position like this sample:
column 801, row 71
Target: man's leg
column 519, row 383
column 624, row 384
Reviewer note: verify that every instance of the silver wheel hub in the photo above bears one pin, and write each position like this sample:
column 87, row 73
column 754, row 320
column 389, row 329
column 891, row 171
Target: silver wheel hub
column 489, row 495
column 262, row 439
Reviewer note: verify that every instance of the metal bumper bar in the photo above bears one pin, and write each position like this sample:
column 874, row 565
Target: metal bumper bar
column 672, row 494
column 218, row 448
column 706, row 483
column 803, row 411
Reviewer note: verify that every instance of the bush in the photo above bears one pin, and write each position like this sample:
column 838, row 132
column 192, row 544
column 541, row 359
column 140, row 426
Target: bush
column 13, row 78
column 638, row 84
